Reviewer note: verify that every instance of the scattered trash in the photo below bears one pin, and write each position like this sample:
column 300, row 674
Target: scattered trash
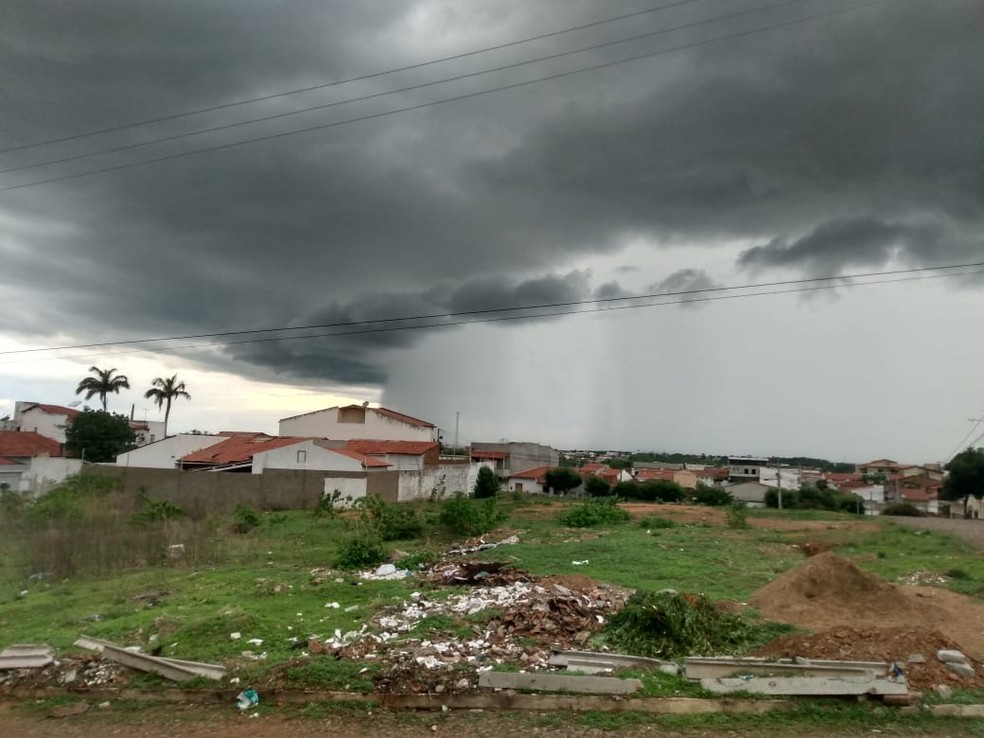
column 246, row 699
column 480, row 544
column 333, row 605
column 580, row 563
column 487, row 573
column 235, row 636
column 255, row 641
column 385, row 572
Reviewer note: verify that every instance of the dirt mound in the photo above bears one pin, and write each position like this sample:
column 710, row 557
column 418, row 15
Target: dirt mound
column 879, row 644
column 828, row 590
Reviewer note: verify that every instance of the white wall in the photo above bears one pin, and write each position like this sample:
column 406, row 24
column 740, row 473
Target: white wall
column 154, row 432
column 311, row 457
column 529, row 485
column 324, row 424
column 49, row 426
column 445, row 479
column 352, row 489
column 165, row 454
column 47, row 471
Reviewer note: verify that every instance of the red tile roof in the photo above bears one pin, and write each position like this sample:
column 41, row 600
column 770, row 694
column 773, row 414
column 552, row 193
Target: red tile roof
column 53, row 409
column 591, row 468
column 411, row 448
column 539, row 474
column 27, row 443
column 644, row 475
column 368, row 462
column 713, row 472
column 489, row 454
column 239, row 448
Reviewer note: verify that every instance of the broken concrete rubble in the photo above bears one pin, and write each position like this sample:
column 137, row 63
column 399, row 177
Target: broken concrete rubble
column 26, row 656
column 177, row 670
column 558, row 683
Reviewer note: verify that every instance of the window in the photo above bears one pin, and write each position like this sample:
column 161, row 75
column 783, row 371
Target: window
column 301, row 457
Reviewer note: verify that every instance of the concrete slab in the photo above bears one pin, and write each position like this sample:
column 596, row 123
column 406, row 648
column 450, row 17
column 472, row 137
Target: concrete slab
column 804, row 686
column 593, row 662
column 710, row 667
column 544, row 682
column 175, row 671
column 964, row 711
column 26, row 656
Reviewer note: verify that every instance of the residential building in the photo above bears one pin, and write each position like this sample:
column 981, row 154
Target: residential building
column 918, row 490
column 234, row 452
column 48, row 420
column 878, row 466
column 745, row 468
column 167, row 453
column 315, row 455
column 531, row 481
column 31, row 463
column 519, row 456
column 686, row 478
column 751, row 493
column 358, row 421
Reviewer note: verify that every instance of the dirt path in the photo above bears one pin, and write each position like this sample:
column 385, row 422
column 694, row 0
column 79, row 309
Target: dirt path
column 183, row 721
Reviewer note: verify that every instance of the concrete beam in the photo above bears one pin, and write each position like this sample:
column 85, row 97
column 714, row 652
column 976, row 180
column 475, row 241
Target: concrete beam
column 804, row 686
column 710, row 667
column 545, row 682
column 26, row 656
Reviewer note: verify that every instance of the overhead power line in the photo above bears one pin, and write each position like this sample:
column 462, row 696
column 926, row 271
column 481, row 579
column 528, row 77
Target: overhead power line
column 387, row 93
column 348, row 80
column 495, row 315
column 446, row 100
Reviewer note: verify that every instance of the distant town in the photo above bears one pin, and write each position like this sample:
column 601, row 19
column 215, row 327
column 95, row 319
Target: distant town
column 362, row 449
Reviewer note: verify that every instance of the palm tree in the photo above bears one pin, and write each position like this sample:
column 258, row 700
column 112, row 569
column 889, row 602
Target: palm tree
column 164, row 391
column 102, row 384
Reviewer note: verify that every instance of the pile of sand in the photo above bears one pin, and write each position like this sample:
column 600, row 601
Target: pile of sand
column 827, row 591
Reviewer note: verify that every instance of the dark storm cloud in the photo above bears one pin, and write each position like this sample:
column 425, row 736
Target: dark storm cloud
column 831, row 144
column 842, row 244
column 369, row 326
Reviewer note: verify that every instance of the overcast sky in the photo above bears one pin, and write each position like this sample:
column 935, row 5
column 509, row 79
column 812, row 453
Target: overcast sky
column 848, row 143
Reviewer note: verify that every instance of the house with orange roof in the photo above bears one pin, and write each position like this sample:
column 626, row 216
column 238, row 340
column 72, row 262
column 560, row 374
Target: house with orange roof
column 531, row 481
column 48, row 420
column 351, row 422
column 32, row 463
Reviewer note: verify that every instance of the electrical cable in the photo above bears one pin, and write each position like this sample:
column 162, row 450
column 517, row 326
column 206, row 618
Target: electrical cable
column 337, row 83
column 491, row 311
column 443, row 101
column 512, row 318
column 386, row 93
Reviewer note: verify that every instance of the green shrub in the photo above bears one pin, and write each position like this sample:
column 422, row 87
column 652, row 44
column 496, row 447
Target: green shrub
column 597, row 486
column 247, row 518
column 957, row 574
column 326, row 507
column 389, row 521
column 654, row 523
column 712, row 496
column 670, row 625
column 487, row 484
column 155, row 511
column 359, row 551
column 594, row 512
column 903, row 509
column 461, row 516
column 737, row 515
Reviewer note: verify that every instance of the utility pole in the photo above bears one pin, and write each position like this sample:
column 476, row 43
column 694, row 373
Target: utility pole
column 457, row 418
column 779, row 482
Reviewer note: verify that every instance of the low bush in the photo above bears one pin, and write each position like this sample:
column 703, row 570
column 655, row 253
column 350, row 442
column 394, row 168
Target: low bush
column 670, row 625
column 737, row 515
column 903, row 509
column 461, row 516
column 247, row 518
column 359, row 551
column 389, row 521
column 597, row 486
column 712, row 496
column 154, row 511
column 594, row 512
column 654, row 523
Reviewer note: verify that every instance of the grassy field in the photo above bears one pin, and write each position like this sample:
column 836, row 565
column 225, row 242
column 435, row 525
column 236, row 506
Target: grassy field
column 260, row 583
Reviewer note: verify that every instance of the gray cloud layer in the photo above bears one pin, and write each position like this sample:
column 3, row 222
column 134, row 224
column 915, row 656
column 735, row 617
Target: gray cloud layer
column 834, row 145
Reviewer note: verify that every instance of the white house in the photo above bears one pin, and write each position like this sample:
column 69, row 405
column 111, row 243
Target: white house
column 531, row 481
column 33, row 463
column 358, row 421
column 164, row 454
column 48, row 420
column 315, row 455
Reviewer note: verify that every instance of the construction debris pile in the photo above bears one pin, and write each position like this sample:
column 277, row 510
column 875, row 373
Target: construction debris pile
column 85, row 671
column 514, row 619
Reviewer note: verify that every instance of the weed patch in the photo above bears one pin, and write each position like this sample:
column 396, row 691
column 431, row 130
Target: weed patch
column 594, row 512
